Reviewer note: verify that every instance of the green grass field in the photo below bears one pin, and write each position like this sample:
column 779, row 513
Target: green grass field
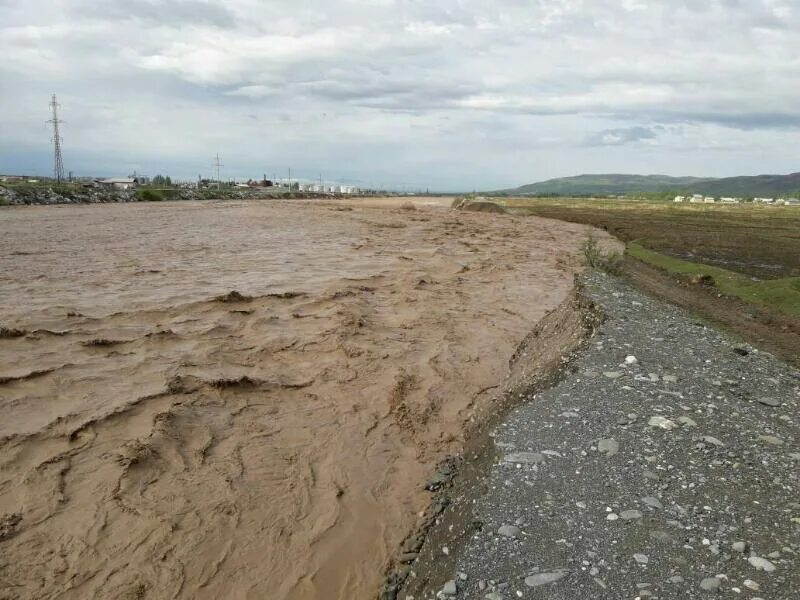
column 752, row 252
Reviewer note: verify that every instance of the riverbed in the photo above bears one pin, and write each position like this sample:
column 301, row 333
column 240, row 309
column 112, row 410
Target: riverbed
column 243, row 399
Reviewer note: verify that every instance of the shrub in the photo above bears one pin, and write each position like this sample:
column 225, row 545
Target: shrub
column 610, row 262
column 148, row 195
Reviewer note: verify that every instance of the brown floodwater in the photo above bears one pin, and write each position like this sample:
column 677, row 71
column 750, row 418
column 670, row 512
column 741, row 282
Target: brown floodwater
column 244, row 399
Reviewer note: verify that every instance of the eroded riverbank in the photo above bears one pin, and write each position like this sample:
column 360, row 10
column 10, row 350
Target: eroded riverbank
column 164, row 437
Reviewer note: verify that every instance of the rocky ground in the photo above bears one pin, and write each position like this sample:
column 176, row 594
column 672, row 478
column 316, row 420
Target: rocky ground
column 45, row 195
column 664, row 465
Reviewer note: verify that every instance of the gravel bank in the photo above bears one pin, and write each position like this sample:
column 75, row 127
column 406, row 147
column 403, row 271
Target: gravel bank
column 665, row 465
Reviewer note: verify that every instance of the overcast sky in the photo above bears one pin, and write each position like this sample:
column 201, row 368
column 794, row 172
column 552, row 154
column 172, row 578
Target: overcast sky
column 451, row 94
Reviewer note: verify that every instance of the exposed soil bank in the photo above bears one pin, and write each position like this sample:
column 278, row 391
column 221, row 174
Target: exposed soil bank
column 540, row 361
column 165, row 437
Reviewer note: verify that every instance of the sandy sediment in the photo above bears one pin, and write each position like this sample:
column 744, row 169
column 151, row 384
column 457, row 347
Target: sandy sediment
column 242, row 400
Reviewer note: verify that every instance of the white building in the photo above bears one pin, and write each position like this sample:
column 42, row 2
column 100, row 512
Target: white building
column 696, row 199
column 120, row 183
column 730, row 200
column 679, row 199
column 709, row 200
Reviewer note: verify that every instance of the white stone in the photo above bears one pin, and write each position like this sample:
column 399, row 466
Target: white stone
column 762, row 564
column 662, row 423
column 544, row 578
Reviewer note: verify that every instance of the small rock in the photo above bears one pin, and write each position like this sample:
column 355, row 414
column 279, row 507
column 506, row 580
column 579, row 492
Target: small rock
column 449, row 588
column 751, row 585
column 709, row 439
column 525, row 458
column 631, row 360
column 688, row 421
column 762, row 564
column 676, row 579
column 642, row 559
column 739, row 547
column 608, row 447
column 710, row 584
column 630, row 515
column 544, row 578
column 769, row 402
column 662, row 423
column 510, row 531
column 771, row 440
column 613, row 374
column 669, row 378
column 652, row 502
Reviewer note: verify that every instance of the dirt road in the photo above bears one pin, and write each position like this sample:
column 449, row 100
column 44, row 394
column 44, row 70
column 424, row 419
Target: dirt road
column 242, row 399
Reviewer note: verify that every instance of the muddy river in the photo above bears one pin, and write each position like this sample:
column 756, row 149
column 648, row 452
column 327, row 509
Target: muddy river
column 244, row 399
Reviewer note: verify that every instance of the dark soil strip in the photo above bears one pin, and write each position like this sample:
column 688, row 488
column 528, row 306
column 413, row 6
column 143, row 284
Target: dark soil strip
column 769, row 330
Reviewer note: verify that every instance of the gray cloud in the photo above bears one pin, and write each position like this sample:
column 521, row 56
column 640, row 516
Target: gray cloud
column 385, row 86
column 618, row 137
column 152, row 12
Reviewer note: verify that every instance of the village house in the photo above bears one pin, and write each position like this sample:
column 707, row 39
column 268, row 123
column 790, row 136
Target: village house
column 121, row 183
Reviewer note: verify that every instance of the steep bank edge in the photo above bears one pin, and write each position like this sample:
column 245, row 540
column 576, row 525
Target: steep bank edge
column 541, row 359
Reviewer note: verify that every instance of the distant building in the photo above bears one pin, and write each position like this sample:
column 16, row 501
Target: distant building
column 792, row 202
column 709, row 200
column 730, row 200
column 119, row 183
column 696, row 199
column 679, row 199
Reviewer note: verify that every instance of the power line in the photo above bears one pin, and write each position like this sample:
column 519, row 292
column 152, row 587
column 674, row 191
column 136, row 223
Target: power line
column 58, row 163
column 217, row 165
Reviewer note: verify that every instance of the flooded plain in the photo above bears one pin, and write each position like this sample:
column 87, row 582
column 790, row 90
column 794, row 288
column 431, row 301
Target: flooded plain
column 244, row 399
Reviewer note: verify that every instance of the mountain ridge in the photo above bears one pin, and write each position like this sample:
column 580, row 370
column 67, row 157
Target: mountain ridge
column 623, row 184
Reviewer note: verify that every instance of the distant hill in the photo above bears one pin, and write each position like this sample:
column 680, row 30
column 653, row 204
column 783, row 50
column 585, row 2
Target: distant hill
column 619, row 184
column 747, row 187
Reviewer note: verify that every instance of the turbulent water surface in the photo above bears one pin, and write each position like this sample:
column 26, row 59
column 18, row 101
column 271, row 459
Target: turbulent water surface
column 242, row 399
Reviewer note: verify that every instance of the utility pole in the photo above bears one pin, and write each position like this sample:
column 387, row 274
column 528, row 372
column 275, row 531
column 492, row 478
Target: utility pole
column 217, row 165
column 290, row 179
column 58, row 164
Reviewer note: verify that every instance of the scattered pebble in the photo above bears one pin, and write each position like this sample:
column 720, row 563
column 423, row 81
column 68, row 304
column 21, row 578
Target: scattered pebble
column 510, row 531
column 762, row 564
column 544, row 578
column 710, row 584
